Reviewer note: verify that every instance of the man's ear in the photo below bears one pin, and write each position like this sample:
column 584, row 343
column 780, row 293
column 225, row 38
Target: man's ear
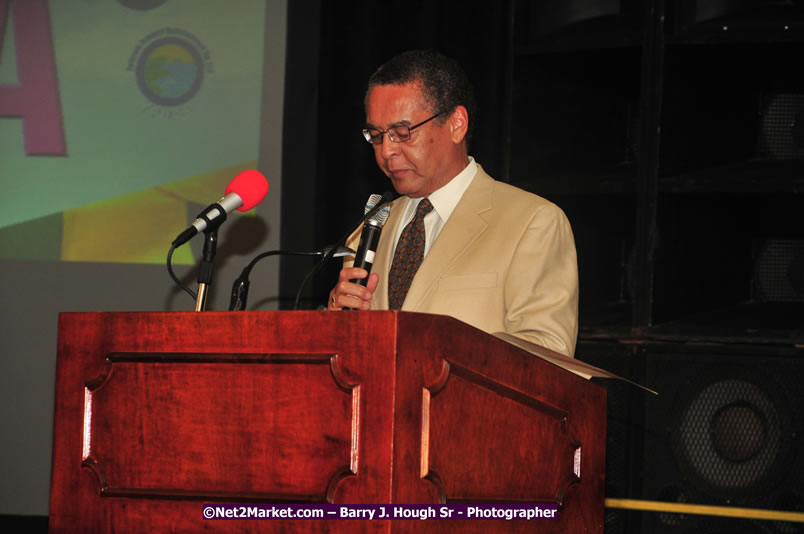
column 459, row 124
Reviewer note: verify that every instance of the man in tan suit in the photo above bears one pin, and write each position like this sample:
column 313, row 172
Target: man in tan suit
column 494, row 256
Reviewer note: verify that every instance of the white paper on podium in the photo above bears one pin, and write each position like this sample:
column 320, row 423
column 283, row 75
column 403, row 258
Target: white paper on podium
column 565, row 362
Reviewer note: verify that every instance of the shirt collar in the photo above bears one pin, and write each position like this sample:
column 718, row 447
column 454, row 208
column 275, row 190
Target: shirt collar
column 446, row 198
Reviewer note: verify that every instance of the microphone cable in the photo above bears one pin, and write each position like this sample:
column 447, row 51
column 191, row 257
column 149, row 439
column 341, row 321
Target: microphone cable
column 173, row 275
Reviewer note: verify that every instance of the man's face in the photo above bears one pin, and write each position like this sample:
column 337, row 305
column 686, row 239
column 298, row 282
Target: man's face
column 426, row 161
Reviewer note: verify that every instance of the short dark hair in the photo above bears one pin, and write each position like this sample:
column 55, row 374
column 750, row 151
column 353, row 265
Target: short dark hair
column 445, row 83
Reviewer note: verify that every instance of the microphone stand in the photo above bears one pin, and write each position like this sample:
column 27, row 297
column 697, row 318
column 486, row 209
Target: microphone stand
column 207, row 266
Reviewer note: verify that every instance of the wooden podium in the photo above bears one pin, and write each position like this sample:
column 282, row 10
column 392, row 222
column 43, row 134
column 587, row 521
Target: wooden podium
column 158, row 413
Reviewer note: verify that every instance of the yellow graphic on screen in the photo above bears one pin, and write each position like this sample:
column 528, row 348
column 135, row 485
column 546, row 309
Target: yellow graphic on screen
column 133, row 228
column 139, row 227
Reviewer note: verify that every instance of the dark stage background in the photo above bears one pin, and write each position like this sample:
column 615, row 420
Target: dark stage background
column 672, row 134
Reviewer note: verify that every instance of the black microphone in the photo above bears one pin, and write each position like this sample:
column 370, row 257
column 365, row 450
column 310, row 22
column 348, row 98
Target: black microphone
column 370, row 237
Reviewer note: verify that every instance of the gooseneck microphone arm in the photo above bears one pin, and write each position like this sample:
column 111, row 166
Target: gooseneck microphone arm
column 241, row 284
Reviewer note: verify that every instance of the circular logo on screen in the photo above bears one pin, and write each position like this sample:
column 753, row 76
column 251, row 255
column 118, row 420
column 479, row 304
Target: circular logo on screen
column 169, row 66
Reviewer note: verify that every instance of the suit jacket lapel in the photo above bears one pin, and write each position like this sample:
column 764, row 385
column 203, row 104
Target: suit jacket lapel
column 464, row 226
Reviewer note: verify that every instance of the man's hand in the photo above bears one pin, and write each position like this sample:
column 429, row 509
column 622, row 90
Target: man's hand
column 347, row 294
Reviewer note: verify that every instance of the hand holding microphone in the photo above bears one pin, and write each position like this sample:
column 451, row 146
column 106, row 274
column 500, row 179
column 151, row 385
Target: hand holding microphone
column 345, row 295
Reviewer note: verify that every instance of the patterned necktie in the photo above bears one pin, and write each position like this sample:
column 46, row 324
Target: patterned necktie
column 408, row 256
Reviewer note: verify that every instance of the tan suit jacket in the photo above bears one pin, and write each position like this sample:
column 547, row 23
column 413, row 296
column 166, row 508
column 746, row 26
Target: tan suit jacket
column 504, row 262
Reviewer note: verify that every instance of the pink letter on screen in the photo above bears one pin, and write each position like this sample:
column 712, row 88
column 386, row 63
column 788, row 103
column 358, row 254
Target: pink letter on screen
column 36, row 98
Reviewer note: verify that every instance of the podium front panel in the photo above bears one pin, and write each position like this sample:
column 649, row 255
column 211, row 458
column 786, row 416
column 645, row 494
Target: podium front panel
column 159, row 413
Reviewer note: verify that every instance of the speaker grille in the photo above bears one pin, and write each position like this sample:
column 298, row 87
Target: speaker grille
column 726, row 430
column 778, row 270
column 782, row 127
column 730, row 435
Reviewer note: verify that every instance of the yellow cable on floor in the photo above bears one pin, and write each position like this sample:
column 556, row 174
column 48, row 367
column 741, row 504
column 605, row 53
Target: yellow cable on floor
column 701, row 509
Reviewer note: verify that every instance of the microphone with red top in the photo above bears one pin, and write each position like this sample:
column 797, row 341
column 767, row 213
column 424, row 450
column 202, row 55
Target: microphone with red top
column 245, row 191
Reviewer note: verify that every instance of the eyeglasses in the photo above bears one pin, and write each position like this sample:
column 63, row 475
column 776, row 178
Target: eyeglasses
column 397, row 134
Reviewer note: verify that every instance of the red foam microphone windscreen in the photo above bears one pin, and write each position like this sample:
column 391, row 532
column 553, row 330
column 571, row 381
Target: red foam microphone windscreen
column 251, row 186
